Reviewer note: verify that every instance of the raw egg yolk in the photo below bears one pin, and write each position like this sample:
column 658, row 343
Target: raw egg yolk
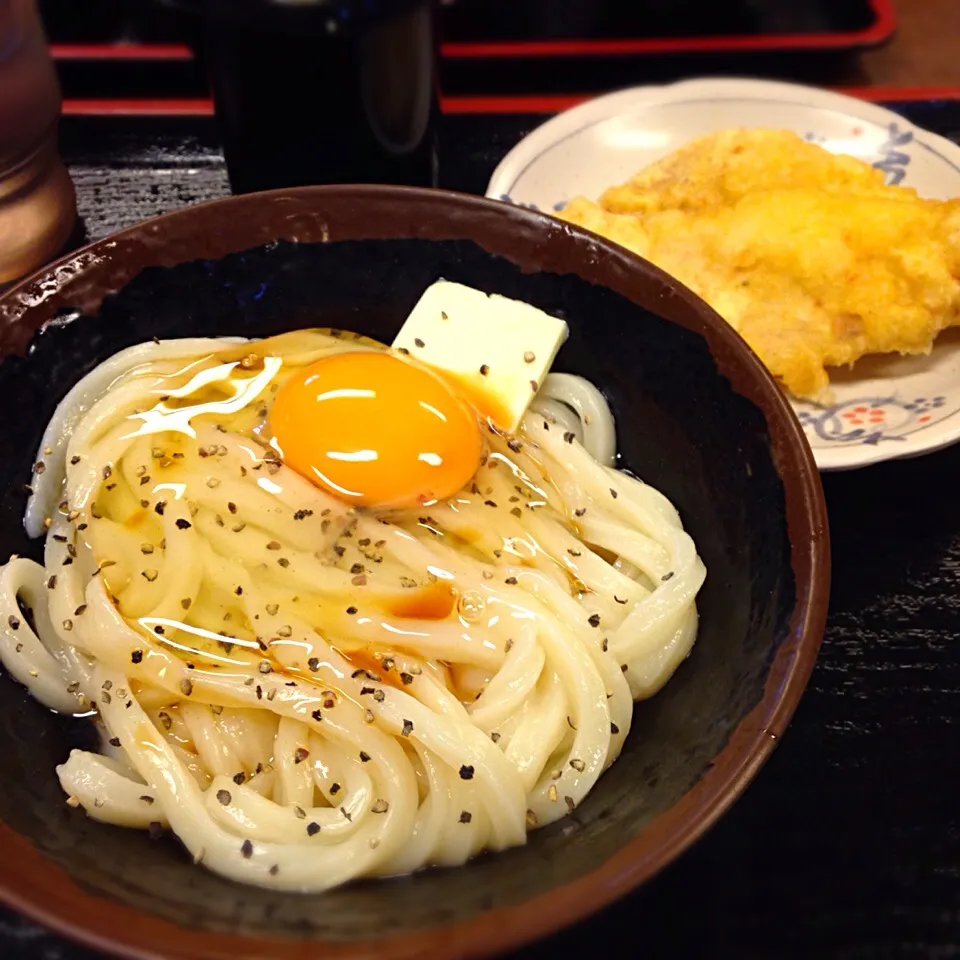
column 376, row 430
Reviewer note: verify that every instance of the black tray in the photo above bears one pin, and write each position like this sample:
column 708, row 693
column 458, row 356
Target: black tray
column 492, row 46
column 847, row 846
column 544, row 28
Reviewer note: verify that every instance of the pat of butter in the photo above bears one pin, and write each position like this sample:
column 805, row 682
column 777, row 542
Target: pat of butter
column 496, row 350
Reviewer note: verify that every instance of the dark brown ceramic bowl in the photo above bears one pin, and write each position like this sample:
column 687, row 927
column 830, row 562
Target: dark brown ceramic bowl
column 698, row 417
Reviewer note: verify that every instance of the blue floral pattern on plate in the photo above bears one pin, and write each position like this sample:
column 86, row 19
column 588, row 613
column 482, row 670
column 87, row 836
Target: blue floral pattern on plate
column 893, row 159
column 555, row 208
column 871, row 420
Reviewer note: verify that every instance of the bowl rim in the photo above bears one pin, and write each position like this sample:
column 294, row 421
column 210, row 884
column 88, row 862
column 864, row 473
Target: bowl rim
column 43, row 891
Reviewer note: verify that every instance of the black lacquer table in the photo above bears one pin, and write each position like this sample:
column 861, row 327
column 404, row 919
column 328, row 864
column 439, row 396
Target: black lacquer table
column 848, row 843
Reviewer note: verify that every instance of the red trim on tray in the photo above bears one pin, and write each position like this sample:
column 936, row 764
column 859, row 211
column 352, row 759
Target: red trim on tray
column 203, row 107
column 120, row 51
column 533, row 103
column 884, row 24
column 196, row 107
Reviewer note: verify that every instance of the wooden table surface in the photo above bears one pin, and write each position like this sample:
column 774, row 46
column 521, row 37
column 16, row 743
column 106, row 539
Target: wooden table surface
column 925, row 50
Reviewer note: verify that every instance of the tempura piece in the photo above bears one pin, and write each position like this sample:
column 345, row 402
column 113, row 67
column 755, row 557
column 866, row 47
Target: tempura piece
column 808, row 255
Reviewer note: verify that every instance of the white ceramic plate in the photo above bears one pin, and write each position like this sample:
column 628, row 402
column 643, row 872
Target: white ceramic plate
column 887, row 406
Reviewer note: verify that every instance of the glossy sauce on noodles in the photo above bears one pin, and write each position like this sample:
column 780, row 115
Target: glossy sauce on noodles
column 213, row 630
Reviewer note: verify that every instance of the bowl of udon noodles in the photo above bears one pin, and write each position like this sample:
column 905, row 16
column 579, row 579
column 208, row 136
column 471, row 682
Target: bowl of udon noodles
column 250, row 708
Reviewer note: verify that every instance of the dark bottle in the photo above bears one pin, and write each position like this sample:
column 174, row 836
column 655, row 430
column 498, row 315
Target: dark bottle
column 323, row 91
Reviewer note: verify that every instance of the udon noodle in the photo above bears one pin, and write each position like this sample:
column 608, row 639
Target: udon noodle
column 305, row 692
